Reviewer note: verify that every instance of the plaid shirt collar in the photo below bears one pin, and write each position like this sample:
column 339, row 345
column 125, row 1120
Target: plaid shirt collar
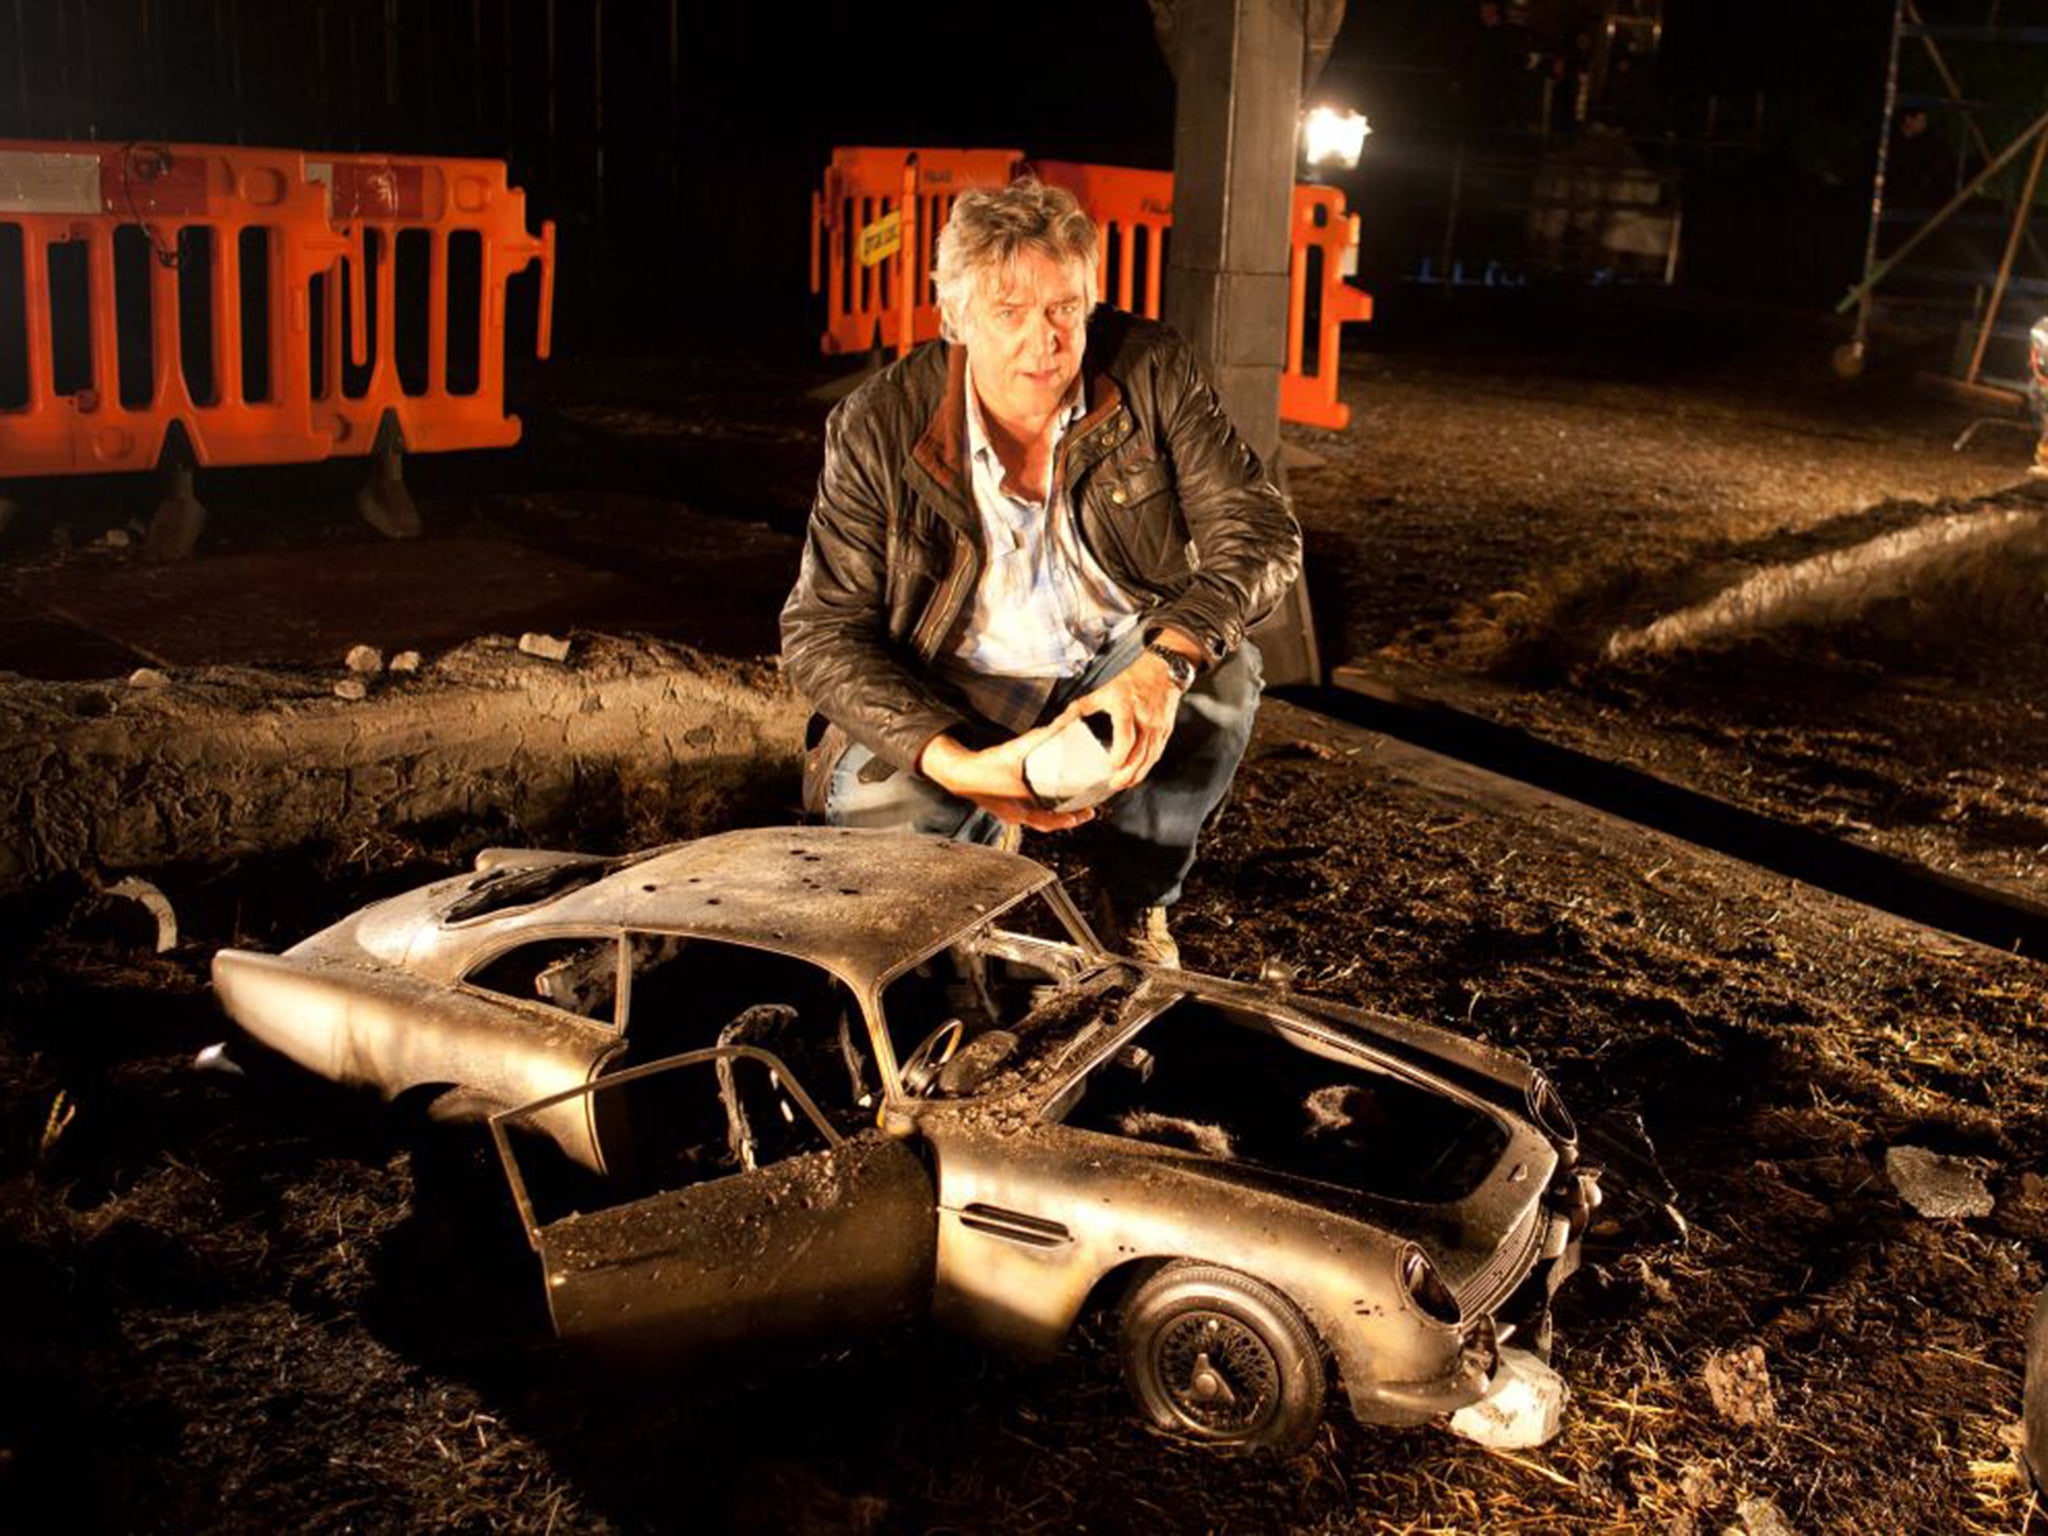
column 978, row 442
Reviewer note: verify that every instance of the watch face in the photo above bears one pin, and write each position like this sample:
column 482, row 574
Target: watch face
column 1179, row 666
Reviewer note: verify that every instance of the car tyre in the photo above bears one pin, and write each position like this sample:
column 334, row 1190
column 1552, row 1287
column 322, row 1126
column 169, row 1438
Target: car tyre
column 1213, row 1355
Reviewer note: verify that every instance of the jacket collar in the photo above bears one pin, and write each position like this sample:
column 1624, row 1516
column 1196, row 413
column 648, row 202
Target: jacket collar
column 941, row 451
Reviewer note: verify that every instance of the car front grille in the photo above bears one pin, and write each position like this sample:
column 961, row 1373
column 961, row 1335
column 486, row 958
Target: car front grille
column 1511, row 1260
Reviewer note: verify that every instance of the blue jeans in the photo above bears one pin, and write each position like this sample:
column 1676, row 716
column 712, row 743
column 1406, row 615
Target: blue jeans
column 1147, row 834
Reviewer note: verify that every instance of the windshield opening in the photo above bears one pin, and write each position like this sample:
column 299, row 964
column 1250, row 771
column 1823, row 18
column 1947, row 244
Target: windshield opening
column 1017, row 975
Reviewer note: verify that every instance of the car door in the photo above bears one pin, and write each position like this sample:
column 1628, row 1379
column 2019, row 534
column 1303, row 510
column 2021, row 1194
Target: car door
column 731, row 1212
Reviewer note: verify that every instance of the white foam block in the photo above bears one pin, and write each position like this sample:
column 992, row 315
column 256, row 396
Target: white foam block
column 1070, row 769
column 1524, row 1407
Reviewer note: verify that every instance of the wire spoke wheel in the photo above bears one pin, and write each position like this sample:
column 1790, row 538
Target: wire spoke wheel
column 1214, row 1355
column 1218, row 1371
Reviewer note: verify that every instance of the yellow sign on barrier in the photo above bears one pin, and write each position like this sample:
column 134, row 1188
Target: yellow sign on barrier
column 881, row 239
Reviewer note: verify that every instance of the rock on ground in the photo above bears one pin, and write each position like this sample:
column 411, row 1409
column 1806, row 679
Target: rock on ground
column 1739, row 1382
column 1935, row 1184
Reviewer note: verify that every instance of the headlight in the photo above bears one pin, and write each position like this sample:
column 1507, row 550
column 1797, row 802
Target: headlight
column 1426, row 1288
column 1548, row 1111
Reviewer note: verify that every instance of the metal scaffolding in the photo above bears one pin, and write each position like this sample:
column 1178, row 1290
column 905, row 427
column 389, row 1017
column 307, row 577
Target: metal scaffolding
column 1936, row 271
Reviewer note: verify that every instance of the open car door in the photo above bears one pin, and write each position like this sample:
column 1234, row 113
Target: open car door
column 731, row 1212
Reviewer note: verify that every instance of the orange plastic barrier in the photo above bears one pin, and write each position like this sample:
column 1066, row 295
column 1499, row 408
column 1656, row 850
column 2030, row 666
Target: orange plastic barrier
column 266, row 306
column 876, row 205
column 1134, row 210
column 1324, row 235
column 889, row 303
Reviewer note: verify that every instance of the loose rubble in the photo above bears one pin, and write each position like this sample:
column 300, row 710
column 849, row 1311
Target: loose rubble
column 1761, row 1517
column 546, row 647
column 153, row 901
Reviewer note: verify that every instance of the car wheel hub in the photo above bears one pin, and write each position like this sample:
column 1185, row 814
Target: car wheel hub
column 1220, row 1374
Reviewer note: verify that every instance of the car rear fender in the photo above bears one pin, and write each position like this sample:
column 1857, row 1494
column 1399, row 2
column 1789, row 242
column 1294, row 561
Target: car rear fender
column 359, row 1026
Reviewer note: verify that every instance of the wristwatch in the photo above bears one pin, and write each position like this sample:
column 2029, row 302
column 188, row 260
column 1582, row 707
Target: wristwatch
column 1182, row 669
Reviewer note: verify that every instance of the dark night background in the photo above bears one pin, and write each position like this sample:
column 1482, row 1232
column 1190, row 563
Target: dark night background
column 712, row 123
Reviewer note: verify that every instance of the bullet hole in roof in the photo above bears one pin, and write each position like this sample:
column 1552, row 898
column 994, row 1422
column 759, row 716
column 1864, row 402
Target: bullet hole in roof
column 650, row 887
column 849, row 890
column 710, row 901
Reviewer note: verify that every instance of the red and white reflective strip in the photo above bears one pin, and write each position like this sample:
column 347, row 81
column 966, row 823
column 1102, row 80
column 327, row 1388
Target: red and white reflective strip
column 33, row 181
column 371, row 189
column 134, row 181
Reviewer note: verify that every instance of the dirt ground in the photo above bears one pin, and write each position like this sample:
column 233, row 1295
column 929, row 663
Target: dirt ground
column 1487, row 529
column 244, row 1303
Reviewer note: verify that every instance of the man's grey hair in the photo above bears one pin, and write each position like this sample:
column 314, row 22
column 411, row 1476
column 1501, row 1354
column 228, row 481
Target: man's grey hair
column 990, row 226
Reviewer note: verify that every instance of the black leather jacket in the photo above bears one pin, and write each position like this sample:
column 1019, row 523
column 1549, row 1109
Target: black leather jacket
column 1177, row 509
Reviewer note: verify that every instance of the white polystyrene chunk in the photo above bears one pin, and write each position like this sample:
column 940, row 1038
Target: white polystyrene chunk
column 1523, row 1408
column 1071, row 769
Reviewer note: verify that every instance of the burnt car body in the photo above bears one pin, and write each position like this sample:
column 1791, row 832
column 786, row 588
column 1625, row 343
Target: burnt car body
column 796, row 1080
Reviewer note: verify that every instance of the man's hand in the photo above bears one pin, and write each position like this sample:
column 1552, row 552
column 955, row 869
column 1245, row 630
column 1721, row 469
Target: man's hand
column 994, row 777
column 1141, row 702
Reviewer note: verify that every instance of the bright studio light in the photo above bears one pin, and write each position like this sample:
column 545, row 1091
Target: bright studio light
column 1332, row 139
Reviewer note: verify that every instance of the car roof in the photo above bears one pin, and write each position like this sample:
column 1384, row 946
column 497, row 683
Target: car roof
column 859, row 902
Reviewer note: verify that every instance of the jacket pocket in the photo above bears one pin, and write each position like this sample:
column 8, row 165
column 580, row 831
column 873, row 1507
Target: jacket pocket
column 1143, row 537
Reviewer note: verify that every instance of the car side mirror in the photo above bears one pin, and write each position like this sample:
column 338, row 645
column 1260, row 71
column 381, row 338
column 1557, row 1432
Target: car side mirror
column 898, row 1125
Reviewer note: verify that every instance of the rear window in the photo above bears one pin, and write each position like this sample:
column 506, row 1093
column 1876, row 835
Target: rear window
column 497, row 890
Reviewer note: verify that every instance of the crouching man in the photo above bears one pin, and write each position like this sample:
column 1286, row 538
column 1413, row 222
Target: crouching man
column 1044, row 516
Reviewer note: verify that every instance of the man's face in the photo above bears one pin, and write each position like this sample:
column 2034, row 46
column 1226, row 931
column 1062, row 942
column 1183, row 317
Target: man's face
column 1024, row 330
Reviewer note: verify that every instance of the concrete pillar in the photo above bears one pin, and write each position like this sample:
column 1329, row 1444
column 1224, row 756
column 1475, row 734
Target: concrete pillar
column 1239, row 68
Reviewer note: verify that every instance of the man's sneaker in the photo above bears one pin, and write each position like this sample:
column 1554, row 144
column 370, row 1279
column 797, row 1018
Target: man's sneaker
column 1139, row 932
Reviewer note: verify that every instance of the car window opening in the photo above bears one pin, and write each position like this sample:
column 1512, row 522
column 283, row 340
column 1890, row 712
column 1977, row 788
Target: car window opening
column 998, row 985
column 672, row 1130
column 1226, row 1084
column 578, row 975
column 689, row 993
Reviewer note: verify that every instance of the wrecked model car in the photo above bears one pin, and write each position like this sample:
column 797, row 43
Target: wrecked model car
column 783, row 1082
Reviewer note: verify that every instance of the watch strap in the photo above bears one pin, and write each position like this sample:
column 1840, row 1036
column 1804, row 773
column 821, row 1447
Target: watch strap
column 1182, row 667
